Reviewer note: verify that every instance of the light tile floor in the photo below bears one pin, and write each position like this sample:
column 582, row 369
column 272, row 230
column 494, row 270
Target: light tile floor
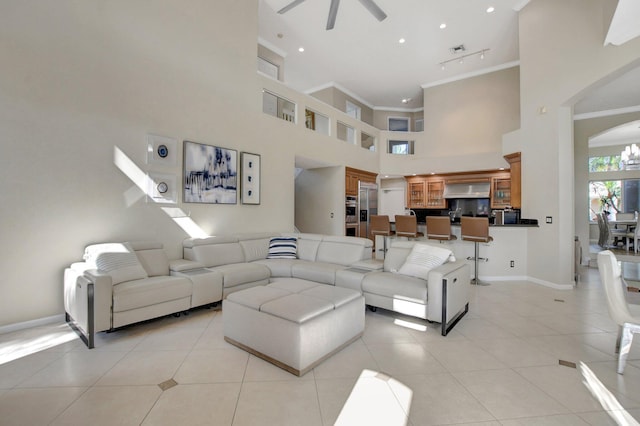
column 499, row 366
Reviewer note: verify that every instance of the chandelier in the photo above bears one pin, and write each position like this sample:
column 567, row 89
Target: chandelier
column 631, row 157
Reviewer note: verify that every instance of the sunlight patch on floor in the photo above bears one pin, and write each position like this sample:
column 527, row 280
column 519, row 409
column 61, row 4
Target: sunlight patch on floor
column 609, row 402
column 20, row 347
column 377, row 399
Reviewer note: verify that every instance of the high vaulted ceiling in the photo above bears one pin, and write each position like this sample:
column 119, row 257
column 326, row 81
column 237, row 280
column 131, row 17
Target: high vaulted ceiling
column 364, row 56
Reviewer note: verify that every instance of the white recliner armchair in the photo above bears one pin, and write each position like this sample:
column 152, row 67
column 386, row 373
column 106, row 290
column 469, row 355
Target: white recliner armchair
column 124, row 283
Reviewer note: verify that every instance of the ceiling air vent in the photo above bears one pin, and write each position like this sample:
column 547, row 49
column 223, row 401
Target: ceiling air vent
column 457, row 49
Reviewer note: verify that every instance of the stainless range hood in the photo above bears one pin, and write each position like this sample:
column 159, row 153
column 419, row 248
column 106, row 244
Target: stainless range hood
column 467, row 190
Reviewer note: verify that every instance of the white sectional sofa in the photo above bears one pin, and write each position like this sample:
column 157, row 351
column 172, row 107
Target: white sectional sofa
column 102, row 295
column 244, row 260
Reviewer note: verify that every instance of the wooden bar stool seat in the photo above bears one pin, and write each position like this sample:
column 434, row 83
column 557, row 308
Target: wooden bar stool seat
column 407, row 226
column 439, row 228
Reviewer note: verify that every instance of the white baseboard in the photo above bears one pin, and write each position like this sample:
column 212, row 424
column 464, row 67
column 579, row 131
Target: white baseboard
column 529, row 279
column 33, row 323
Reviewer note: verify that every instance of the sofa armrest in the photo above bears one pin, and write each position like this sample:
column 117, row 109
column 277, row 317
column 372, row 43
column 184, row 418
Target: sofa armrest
column 448, row 289
column 182, row 265
column 87, row 300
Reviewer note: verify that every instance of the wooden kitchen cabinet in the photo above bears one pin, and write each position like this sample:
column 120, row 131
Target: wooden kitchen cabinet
column 354, row 176
column 501, row 192
column 515, row 163
column 435, row 194
column 416, row 193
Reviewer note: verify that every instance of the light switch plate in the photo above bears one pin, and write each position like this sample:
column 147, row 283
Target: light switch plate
column 549, row 219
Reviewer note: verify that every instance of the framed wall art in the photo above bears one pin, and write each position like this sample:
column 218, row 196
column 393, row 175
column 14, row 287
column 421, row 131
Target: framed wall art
column 250, row 172
column 210, row 174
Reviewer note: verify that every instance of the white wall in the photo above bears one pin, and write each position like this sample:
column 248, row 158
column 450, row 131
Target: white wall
column 557, row 65
column 320, row 201
column 463, row 126
column 80, row 79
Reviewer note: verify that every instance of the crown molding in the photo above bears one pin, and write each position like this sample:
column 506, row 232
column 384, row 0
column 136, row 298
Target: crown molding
column 606, row 113
column 472, row 74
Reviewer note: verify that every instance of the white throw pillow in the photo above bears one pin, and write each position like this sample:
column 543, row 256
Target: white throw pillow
column 283, row 248
column 117, row 259
column 423, row 258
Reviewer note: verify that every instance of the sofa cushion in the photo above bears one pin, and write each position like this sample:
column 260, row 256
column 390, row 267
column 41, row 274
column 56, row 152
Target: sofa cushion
column 423, row 258
column 254, row 248
column 213, row 251
column 343, row 250
column 307, row 245
column 255, row 297
column 117, row 259
column 278, row 267
column 337, row 295
column 297, row 308
column 242, row 273
column 149, row 291
column 316, row 271
column 395, row 286
column 154, row 261
column 283, row 248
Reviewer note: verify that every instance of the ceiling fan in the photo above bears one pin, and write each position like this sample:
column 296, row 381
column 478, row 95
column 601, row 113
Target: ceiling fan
column 333, row 10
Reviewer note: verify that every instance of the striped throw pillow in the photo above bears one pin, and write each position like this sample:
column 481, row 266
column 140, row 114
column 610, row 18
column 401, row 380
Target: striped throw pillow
column 283, row 248
column 117, row 259
column 423, row 258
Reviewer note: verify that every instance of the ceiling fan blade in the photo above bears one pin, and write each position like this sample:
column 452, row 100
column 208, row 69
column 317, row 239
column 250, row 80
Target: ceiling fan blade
column 333, row 12
column 290, row 6
column 374, row 9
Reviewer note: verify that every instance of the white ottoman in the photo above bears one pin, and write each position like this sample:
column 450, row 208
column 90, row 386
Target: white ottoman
column 293, row 323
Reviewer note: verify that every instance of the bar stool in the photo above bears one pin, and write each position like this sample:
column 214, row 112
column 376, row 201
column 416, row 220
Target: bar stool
column 380, row 225
column 439, row 228
column 407, row 226
column 476, row 230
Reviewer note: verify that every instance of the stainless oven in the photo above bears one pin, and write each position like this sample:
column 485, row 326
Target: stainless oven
column 351, row 229
column 351, row 204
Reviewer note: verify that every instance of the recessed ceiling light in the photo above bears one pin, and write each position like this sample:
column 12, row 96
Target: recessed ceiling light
column 406, row 100
column 301, row 49
column 490, row 9
column 401, row 41
column 443, row 26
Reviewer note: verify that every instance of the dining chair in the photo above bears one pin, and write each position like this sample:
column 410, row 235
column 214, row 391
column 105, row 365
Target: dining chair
column 635, row 234
column 407, row 226
column 602, row 231
column 626, row 316
column 612, row 233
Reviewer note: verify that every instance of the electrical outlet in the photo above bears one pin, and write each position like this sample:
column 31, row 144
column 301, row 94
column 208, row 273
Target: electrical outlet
column 512, row 264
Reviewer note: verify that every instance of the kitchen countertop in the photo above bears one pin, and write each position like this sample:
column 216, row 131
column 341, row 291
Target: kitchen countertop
column 510, row 225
